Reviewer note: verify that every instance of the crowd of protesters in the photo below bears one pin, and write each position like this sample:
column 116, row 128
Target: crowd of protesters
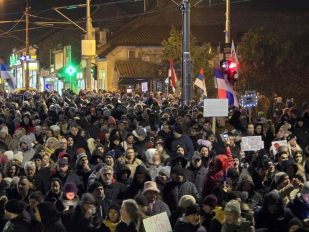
column 101, row 161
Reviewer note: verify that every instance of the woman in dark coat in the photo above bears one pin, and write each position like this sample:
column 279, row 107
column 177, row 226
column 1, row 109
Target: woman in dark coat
column 50, row 218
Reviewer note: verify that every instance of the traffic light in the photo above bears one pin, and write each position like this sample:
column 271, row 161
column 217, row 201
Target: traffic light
column 230, row 68
column 94, row 71
column 70, row 70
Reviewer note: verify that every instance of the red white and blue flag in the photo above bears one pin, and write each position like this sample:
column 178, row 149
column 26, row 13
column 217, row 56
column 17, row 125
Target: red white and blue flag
column 172, row 75
column 200, row 82
column 225, row 90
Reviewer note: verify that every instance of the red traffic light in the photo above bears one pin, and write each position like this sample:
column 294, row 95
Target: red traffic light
column 232, row 65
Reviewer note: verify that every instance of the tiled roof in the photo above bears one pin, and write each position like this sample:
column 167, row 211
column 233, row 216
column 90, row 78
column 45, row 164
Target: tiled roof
column 135, row 68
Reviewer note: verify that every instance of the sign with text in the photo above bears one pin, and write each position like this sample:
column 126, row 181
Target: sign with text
column 157, row 223
column 215, row 107
column 252, row 143
column 144, row 87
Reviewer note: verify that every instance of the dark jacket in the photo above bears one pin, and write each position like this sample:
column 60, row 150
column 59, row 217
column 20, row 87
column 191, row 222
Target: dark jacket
column 159, row 207
column 186, row 142
column 123, row 227
column 136, row 187
column 182, row 226
column 69, row 177
column 299, row 207
column 277, row 222
column 50, row 217
column 243, row 226
column 173, row 191
column 197, row 176
column 19, row 224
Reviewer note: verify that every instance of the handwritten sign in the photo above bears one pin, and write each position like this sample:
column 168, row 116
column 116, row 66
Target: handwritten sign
column 144, row 87
column 252, row 143
column 157, row 223
column 215, row 107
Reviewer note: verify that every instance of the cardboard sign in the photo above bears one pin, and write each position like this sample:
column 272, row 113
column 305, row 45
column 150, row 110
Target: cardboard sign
column 252, row 143
column 276, row 144
column 157, row 223
column 215, row 107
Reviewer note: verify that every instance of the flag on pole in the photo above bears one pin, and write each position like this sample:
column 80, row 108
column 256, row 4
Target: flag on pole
column 225, row 90
column 233, row 53
column 5, row 74
column 200, row 82
column 172, row 75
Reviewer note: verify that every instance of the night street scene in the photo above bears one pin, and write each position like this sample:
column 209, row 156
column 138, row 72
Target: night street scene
column 154, row 116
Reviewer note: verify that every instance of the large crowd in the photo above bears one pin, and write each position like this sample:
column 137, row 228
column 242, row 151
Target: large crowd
column 104, row 162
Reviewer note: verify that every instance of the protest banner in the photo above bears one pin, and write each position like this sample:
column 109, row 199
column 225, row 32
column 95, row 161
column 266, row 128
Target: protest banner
column 157, row 223
column 252, row 143
column 215, row 107
column 276, row 144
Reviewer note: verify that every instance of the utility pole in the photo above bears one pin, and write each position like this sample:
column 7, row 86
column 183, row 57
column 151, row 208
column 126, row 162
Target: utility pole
column 187, row 82
column 227, row 22
column 27, row 48
column 89, row 58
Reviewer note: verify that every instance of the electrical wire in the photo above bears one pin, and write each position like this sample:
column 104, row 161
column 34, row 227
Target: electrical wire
column 15, row 25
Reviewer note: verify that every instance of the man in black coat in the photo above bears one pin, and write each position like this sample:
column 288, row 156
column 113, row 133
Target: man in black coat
column 18, row 218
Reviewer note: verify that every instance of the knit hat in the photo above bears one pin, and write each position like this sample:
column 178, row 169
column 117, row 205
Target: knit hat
column 305, row 189
column 139, row 133
column 279, row 177
column 166, row 170
column 63, row 161
column 178, row 129
column 94, row 186
column 19, row 157
column 9, row 154
column 179, row 171
column 111, row 153
column 178, row 159
column 87, row 197
column 36, row 156
column 79, row 157
column 64, row 154
column 233, row 207
column 192, row 209
column 185, row 201
column 54, row 128
column 15, row 206
column 210, row 200
column 150, row 186
column 70, row 187
column 196, row 157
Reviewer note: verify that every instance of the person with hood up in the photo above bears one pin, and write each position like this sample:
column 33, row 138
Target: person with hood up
column 137, row 185
column 190, row 220
column 18, row 218
column 113, row 217
column 197, row 172
column 273, row 215
column 6, row 138
column 217, row 172
column 177, row 187
column 50, row 217
column 55, row 192
column 25, row 144
column 246, row 184
column 123, row 174
column 300, row 205
column 183, row 140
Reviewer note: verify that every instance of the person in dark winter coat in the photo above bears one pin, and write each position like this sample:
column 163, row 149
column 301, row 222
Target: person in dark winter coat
column 85, row 218
column 197, row 172
column 183, row 140
column 273, row 215
column 18, row 218
column 190, row 222
column 50, row 218
column 178, row 187
column 140, row 177
column 300, row 205
column 55, row 192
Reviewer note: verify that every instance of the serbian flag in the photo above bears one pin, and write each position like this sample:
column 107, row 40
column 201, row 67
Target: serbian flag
column 233, row 53
column 5, row 74
column 200, row 82
column 172, row 75
column 225, row 90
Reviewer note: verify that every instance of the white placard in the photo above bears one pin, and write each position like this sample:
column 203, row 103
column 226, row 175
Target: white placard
column 144, row 87
column 215, row 107
column 252, row 143
column 157, row 223
column 276, row 144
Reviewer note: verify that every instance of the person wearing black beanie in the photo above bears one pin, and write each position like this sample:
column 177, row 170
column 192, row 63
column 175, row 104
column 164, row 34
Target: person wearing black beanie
column 190, row 221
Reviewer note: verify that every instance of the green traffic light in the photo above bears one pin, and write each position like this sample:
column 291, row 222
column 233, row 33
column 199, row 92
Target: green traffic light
column 70, row 70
